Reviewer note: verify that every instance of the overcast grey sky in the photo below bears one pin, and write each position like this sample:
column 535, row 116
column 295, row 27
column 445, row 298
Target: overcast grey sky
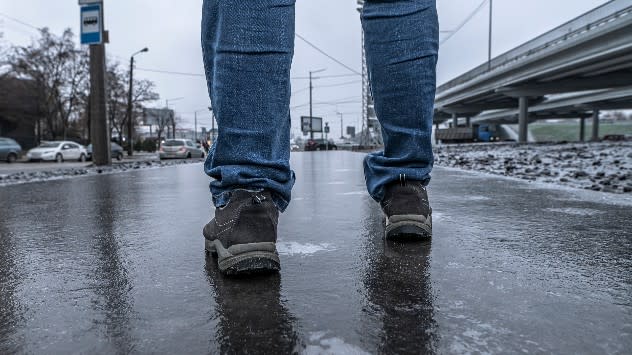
column 171, row 30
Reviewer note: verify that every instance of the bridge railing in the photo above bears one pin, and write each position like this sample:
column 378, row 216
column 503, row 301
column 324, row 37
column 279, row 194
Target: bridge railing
column 581, row 25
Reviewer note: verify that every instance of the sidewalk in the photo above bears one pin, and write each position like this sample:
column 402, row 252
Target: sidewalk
column 115, row 263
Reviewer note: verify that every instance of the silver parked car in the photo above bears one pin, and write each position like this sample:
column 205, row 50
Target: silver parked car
column 179, row 149
column 10, row 150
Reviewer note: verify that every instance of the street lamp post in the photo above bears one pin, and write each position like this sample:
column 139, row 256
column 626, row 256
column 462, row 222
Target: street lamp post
column 130, row 123
column 489, row 44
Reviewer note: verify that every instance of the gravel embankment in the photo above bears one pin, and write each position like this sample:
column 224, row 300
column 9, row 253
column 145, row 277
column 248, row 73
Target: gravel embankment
column 603, row 167
column 62, row 173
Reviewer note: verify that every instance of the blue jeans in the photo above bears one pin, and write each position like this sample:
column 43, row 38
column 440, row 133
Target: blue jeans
column 248, row 48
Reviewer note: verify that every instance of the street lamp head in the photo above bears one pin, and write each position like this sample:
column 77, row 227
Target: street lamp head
column 144, row 50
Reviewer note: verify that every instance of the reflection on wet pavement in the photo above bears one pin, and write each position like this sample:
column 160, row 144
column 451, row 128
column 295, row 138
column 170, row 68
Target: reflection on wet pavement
column 115, row 264
column 252, row 316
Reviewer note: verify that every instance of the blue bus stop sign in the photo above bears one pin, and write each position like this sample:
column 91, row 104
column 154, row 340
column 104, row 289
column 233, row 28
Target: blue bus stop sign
column 92, row 24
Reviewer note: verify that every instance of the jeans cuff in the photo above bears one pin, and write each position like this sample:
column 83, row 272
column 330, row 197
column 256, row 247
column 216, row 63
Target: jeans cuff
column 222, row 199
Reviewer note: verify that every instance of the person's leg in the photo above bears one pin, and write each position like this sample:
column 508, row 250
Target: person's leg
column 248, row 48
column 401, row 44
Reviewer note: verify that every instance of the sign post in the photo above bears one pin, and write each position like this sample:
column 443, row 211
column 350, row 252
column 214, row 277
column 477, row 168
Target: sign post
column 92, row 34
column 92, row 24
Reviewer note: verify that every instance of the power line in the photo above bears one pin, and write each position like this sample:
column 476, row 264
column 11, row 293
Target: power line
column 462, row 24
column 327, row 86
column 300, row 90
column 170, row 72
column 345, row 100
column 339, row 84
column 323, row 76
column 326, row 54
column 20, row 22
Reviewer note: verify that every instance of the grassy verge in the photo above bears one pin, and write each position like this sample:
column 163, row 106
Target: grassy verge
column 569, row 131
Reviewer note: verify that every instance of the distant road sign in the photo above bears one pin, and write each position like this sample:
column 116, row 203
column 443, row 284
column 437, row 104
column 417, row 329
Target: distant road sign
column 88, row 2
column 351, row 131
column 316, row 124
column 91, row 24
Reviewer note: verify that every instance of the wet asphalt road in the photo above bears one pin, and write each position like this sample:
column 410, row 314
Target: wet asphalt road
column 115, row 264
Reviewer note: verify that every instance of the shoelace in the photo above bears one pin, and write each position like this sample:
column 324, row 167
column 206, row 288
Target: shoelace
column 258, row 199
column 402, row 179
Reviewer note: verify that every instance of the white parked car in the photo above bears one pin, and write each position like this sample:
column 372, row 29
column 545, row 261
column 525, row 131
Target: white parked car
column 58, row 151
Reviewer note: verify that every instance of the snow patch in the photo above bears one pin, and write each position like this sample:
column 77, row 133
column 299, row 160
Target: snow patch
column 294, row 248
column 331, row 345
column 576, row 211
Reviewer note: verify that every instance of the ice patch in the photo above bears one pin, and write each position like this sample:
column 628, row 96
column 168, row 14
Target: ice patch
column 363, row 192
column 330, row 345
column 294, row 248
column 478, row 198
column 576, row 211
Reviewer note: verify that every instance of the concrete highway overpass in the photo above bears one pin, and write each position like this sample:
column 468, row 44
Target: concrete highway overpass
column 575, row 70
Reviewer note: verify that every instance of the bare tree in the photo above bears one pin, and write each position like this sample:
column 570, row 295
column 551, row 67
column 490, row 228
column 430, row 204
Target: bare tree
column 116, row 100
column 60, row 72
column 162, row 122
column 118, row 89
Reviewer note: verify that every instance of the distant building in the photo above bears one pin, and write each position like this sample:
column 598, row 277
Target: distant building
column 19, row 113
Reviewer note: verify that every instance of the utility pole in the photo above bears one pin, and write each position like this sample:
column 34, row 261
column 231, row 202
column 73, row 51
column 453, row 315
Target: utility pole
column 212, row 125
column 311, row 88
column 130, row 120
column 489, row 44
column 195, row 130
column 311, row 132
column 98, row 127
column 93, row 34
column 342, row 136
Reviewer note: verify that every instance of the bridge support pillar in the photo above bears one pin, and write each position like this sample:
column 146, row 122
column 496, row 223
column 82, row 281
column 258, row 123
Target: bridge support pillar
column 595, row 126
column 455, row 120
column 523, row 120
column 468, row 122
column 436, row 136
column 582, row 129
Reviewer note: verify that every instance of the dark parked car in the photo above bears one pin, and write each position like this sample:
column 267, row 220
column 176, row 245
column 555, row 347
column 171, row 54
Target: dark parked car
column 115, row 149
column 320, row 144
column 10, row 150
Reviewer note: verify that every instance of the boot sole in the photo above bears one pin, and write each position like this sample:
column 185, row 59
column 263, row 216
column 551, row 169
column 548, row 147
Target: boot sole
column 245, row 259
column 408, row 228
